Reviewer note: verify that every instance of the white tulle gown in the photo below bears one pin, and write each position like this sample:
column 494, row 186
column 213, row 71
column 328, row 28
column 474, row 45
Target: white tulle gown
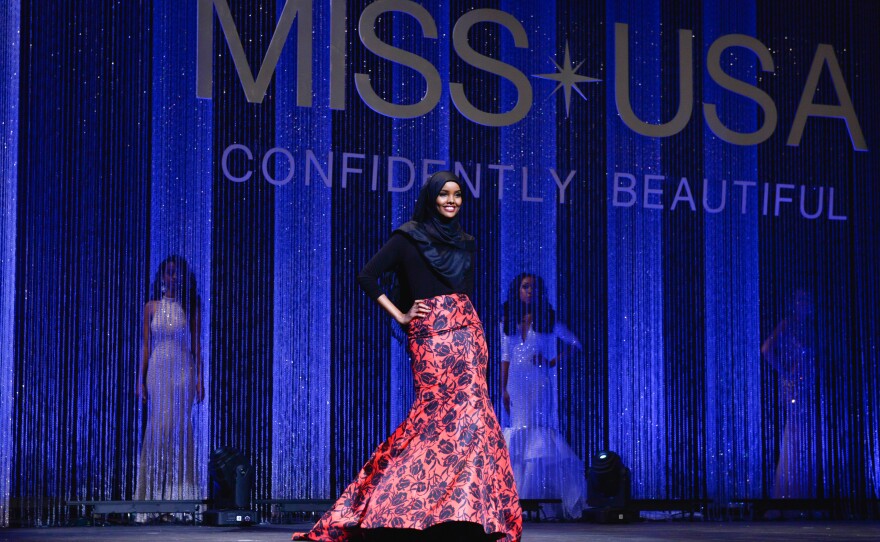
column 166, row 469
column 544, row 465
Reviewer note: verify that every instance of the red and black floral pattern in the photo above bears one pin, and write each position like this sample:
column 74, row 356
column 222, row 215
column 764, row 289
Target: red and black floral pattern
column 447, row 461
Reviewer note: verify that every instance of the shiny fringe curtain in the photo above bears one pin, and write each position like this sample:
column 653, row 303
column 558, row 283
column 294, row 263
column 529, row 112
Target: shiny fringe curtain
column 110, row 163
column 637, row 378
column 81, row 250
column 9, row 71
column 729, row 308
column 303, row 279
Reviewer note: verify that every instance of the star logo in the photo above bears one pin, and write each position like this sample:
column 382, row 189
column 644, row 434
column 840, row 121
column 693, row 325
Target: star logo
column 568, row 78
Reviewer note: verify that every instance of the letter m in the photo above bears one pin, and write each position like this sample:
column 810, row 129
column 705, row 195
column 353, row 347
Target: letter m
column 255, row 91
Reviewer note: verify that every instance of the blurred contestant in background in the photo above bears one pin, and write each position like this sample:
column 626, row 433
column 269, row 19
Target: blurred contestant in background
column 544, row 466
column 170, row 381
column 790, row 350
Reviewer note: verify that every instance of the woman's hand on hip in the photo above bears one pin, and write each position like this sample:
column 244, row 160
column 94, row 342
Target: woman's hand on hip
column 420, row 309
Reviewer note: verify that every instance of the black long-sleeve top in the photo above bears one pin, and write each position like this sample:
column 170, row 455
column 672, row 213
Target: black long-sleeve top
column 415, row 275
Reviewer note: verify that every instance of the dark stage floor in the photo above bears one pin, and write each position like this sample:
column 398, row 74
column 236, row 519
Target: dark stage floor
column 665, row 531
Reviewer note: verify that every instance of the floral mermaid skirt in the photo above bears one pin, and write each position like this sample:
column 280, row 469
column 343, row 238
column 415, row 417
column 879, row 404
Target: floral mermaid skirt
column 447, row 462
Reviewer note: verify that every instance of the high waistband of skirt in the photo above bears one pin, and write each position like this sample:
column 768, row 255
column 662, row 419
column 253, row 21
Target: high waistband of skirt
column 448, row 312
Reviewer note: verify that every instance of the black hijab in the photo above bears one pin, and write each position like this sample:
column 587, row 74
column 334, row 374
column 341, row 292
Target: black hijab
column 442, row 242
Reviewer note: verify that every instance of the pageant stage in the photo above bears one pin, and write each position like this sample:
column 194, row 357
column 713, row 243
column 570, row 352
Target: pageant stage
column 646, row 531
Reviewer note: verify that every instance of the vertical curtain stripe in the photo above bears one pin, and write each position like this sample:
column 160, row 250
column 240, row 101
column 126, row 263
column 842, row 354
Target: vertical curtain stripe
column 10, row 27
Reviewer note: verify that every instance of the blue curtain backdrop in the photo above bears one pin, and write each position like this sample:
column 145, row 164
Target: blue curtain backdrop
column 637, row 378
column 9, row 66
column 83, row 185
column 721, row 325
column 729, row 308
column 302, row 309
column 582, row 269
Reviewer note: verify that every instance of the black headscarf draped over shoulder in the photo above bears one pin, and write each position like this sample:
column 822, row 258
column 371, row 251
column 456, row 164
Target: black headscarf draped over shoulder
column 446, row 247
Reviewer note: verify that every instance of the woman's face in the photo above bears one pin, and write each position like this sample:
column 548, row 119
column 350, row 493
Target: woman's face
column 527, row 290
column 169, row 279
column 449, row 200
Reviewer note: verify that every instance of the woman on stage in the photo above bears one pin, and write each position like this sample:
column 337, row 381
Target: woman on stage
column 544, row 465
column 445, row 472
column 170, row 381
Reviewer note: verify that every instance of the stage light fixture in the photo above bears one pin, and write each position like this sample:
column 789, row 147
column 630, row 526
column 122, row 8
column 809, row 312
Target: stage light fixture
column 231, row 477
column 609, row 488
